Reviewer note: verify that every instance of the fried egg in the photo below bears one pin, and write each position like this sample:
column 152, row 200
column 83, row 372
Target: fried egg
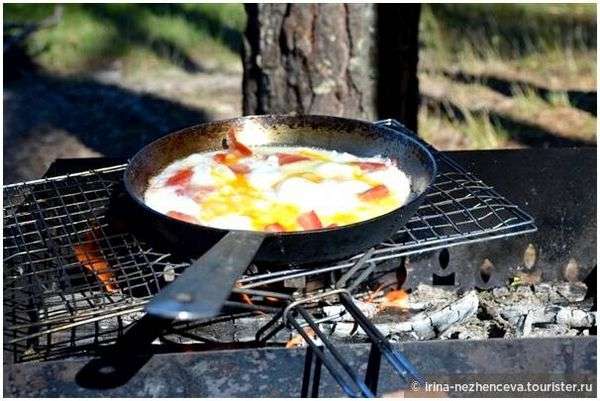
column 277, row 188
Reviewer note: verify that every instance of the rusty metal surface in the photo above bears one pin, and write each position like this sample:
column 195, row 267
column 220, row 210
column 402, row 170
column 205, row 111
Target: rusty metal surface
column 558, row 188
column 277, row 372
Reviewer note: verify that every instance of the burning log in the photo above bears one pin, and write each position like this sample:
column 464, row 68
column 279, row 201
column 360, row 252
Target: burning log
column 425, row 325
column 89, row 256
column 568, row 317
column 395, row 299
column 428, row 325
column 244, row 297
column 299, row 341
column 543, row 309
column 430, row 297
column 369, row 309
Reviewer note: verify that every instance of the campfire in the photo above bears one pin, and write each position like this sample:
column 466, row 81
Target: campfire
column 377, row 297
column 519, row 309
column 430, row 312
column 393, row 299
column 88, row 253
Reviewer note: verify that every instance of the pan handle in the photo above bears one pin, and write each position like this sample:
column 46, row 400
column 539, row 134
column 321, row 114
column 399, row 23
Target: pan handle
column 203, row 288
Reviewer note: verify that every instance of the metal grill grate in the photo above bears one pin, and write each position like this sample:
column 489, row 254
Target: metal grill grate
column 66, row 265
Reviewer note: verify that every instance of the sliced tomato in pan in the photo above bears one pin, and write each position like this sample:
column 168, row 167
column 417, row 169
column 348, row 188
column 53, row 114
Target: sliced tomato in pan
column 274, row 228
column 236, row 145
column 287, row 158
column 182, row 177
column 199, row 193
column 369, row 166
column 239, row 168
column 182, row 216
column 310, row 221
column 220, row 158
column 377, row 192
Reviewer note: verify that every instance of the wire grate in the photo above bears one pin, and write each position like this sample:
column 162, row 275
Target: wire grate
column 67, row 264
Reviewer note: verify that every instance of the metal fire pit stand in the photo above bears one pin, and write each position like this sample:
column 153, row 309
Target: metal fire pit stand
column 325, row 352
column 321, row 350
column 47, row 292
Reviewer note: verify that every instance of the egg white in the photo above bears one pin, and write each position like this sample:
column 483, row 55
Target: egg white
column 272, row 193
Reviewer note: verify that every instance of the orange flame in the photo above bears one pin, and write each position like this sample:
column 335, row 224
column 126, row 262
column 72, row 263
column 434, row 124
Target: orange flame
column 372, row 295
column 395, row 299
column 298, row 340
column 89, row 256
column 246, row 299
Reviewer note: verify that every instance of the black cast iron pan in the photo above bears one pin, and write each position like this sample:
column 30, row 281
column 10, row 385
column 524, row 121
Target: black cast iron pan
column 224, row 255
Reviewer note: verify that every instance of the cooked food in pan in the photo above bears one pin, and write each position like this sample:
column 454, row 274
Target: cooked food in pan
column 277, row 189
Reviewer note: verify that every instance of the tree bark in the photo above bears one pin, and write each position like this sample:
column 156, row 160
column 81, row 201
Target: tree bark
column 309, row 59
column 352, row 60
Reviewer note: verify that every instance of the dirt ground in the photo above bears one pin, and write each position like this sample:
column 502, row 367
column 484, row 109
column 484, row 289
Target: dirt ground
column 109, row 113
column 105, row 80
column 48, row 117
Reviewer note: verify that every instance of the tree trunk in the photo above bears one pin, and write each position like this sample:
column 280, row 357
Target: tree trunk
column 327, row 59
column 309, row 59
column 397, row 58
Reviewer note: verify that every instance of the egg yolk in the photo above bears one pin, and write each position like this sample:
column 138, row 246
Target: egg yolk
column 337, row 180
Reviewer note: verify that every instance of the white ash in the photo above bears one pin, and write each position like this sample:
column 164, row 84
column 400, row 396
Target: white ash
column 432, row 324
column 428, row 297
column 573, row 317
column 541, row 310
column 428, row 312
column 424, row 325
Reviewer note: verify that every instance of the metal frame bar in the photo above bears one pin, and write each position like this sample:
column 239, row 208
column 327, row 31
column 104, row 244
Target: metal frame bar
column 46, row 289
column 326, row 353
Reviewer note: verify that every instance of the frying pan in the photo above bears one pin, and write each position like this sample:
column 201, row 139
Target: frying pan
column 223, row 255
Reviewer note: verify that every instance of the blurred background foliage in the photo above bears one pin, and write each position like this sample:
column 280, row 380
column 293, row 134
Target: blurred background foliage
column 491, row 75
column 92, row 35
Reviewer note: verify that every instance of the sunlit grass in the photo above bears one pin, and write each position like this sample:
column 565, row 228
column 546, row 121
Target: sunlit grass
column 546, row 45
column 68, row 47
column 559, row 99
column 529, row 100
column 444, row 129
column 538, row 38
column 509, row 30
column 549, row 46
column 481, row 131
column 90, row 35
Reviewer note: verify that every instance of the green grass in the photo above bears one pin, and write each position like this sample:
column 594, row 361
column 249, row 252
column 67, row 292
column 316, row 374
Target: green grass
column 541, row 38
column 551, row 46
column 508, row 30
column 477, row 129
column 537, row 43
column 90, row 35
column 481, row 131
column 531, row 101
